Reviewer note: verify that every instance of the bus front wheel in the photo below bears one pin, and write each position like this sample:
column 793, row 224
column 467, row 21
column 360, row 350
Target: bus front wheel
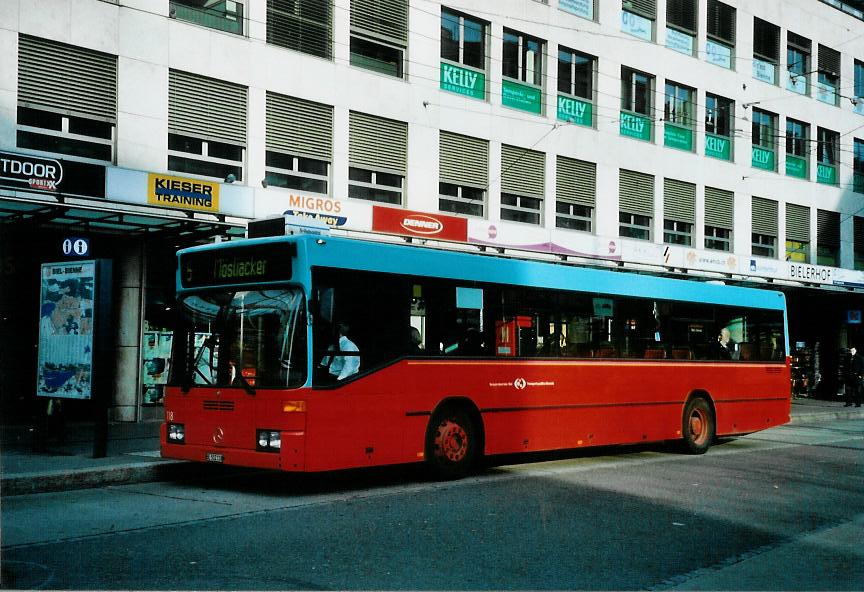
column 451, row 443
column 698, row 426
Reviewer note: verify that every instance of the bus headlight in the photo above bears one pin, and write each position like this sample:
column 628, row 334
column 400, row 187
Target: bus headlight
column 269, row 440
column 176, row 433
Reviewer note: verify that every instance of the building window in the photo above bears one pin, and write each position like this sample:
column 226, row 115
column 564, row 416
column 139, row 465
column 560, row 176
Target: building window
column 764, row 225
column 575, row 194
column 677, row 233
column 766, row 51
column 797, row 233
column 299, row 144
column 827, row 238
column 379, row 35
column 719, row 218
column 858, row 98
column 638, row 17
column 681, row 19
column 463, row 54
column 523, row 181
column 576, row 73
column 301, row 25
column 718, row 239
column 224, row 15
column 637, row 92
column 522, row 68
column 679, row 212
column 764, row 138
column 828, row 81
column 719, row 117
column 67, row 100
column 827, row 156
column 858, row 166
column 635, row 204
column 377, row 157
column 206, row 126
column 858, row 242
column 463, row 173
column 798, row 63
column 678, row 121
column 720, row 45
column 797, row 148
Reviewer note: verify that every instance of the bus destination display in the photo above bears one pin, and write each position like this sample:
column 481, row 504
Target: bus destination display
column 243, row 265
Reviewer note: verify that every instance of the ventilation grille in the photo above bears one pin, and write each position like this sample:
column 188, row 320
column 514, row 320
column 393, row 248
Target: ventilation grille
column 218, row 405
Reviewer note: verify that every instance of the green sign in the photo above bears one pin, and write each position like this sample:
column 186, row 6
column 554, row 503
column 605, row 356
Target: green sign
column 463, row 81
column 763, row 159
column 635, row 126
column 796, row 167
column 826, row 173
column 718, row 147
column 575, row 111
column 521, row 96
column 675, row 136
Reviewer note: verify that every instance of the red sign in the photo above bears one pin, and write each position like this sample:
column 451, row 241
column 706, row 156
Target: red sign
column 419, row 224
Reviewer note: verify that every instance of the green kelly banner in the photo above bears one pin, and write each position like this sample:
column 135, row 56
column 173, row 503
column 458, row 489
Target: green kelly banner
column 826, row 173
column 575, row 111
column 718, row 147
column 763, row 159
column 463, row 81
column 796, row 167
column 675, row 136
column 521, row 96
column 635, row 126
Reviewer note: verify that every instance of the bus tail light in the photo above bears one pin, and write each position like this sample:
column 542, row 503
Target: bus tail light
column 293, row 406
column 269, row 440
column 176, row 433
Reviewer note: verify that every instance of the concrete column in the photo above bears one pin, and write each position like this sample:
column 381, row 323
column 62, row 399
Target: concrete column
column 128, row 300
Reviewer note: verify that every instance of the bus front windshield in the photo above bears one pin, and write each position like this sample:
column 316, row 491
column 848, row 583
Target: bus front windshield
column 248, row 339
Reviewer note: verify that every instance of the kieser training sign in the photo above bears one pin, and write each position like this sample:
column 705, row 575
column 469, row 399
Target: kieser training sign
column 182, row 193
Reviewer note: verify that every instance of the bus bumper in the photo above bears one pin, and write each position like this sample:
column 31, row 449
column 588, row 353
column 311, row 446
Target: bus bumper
column 291, row 456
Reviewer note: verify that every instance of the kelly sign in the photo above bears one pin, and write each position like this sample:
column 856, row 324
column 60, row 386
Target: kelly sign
column 635, row 126
column 463, row 81
column 718, row 147
column 575, row 111
column 419, row 224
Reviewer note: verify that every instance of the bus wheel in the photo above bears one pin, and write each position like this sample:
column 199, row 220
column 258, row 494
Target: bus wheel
column 698, row 426
column 451, row 444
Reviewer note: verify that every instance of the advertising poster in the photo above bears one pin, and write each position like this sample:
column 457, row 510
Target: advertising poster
column 65, row 358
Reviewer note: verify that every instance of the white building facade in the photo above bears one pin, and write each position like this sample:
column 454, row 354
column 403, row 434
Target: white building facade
column 704, row 139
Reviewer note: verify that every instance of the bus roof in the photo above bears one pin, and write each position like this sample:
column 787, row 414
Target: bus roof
column 384, row 257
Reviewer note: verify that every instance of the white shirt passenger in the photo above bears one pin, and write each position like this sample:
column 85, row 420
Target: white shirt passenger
column 344, row 366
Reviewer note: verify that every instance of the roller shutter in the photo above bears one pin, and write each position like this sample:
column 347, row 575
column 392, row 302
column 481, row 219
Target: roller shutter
column 576, row 181
column 719, row 208
column 764, row 216
column 377, row 143
column 463, row 160
column 299, row 127
column 797, row 223
column 679, row 201
column 387, row 19
column 828, row 228
column 523, row 171
column 636, row 193
column 206, row 108
column 721, row 22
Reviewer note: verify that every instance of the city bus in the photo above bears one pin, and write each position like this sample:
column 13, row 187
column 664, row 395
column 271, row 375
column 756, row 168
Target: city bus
column 311, row 352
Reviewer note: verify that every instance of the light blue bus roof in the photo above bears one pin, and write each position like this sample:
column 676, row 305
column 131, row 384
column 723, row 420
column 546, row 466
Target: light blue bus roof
column 367, row 255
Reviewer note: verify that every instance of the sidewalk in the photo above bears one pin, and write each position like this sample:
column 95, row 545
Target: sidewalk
column 133, row 453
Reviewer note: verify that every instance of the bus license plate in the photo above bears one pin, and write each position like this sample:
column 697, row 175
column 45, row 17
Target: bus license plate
column 217, row 458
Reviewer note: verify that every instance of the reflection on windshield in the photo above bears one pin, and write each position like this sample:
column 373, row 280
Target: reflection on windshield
column 250, row 339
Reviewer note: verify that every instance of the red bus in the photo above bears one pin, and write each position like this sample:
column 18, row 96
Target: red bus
column 318, row 353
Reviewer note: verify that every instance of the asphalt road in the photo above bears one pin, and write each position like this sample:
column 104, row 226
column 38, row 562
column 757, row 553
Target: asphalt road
column 778, row 510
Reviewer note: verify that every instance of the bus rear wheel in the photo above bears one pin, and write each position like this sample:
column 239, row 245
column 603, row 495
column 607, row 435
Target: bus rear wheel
column 451, row 444
column 698, row 427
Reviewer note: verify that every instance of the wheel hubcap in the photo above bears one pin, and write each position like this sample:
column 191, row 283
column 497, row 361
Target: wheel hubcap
column 451, row 441
column 697, row 426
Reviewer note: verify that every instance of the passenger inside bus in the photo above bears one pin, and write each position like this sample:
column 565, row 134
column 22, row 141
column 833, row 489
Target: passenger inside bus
column 344, row 361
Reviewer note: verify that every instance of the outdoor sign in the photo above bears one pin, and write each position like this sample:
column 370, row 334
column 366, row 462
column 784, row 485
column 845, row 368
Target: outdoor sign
column 583, row 8
column 521, row 96
column 419, row 224
column 796, row 167
column 680, row 42
column 718, row 147
column 575, row 111
column 75, row 246
column 471, row 83
column 65, row 353
column 25, row 172
column 826, row 173
column 804, row 272
column 635, row 126
column 637, row 26
column 763, row 159
column 764, row 71
column 182, row 193
column 679, row 137
column 718, row 54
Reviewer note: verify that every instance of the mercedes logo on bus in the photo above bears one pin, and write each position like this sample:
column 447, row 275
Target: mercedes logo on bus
column 218, row 435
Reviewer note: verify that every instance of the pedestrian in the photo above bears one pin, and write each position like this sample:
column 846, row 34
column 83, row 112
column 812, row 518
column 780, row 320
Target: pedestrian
column 854, row 378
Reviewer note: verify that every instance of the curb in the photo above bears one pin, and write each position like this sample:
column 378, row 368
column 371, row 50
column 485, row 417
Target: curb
column 826, row 416
column 44, row 482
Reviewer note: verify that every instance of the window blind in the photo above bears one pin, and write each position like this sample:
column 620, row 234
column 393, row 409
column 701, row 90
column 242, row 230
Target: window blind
column 206, row 108
column 523, row 171
column 797, row 223
column 66, row 79
column 682, row 14
column 679, row 201
column 829, row 60
column 721, row 22
column 576, row 181
column 387, row 19
column 377, row 143
column 463, row 160
column 299, row 127
column 646, row 8
column 301, row 26
column 719, row 208
column 764, row 216
column 766, row 40
column 636, row 193
column 828, row 228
